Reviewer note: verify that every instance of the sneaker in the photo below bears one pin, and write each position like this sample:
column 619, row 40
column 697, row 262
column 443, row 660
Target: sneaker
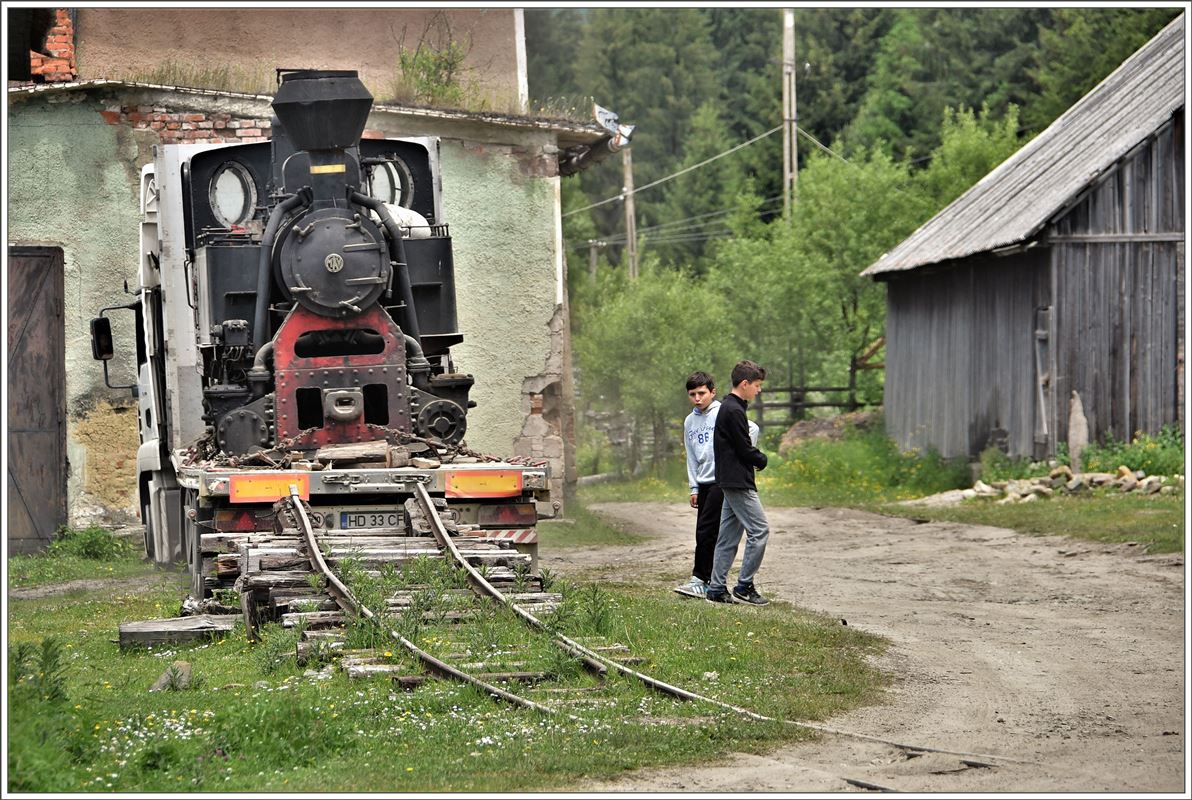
column 693, row 588
column 748, row 594
column 719, row 597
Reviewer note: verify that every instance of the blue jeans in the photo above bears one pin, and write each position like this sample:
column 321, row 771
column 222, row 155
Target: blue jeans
column 742, row 514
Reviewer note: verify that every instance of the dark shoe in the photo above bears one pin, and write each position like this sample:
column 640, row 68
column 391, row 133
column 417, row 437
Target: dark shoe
column 748, row 594
column 719, row 597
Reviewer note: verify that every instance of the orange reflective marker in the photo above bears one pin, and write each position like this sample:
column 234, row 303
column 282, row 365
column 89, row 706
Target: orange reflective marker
column 266, row 487
column 484, row 483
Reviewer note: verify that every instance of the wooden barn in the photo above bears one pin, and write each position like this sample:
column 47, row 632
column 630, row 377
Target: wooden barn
column 1060, row 272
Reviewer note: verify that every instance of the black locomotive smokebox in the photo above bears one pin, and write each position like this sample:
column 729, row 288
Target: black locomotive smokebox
column 322, row 109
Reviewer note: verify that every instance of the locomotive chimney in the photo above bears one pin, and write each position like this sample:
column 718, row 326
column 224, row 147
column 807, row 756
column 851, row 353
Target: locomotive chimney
column 322, row 109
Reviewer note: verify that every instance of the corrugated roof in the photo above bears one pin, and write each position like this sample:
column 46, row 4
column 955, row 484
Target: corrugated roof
column 1010, row 204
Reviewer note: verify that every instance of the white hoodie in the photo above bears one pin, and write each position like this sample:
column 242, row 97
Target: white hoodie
column 697, row 441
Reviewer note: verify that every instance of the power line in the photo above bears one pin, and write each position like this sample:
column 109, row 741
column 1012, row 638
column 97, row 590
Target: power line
column 684, row 171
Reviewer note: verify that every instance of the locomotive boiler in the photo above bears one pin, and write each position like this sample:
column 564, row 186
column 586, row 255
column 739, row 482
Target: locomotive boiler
column 294, row 320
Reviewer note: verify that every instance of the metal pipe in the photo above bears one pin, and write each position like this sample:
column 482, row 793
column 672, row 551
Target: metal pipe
column 260, row 333
column 398, row 255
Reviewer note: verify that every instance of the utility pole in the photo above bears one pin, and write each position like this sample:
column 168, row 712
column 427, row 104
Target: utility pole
column 790, row 143
column 593, row 244
column 630, row 216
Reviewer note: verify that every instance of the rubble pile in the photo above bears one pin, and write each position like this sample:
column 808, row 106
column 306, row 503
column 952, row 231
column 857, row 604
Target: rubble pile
column 1061, row 480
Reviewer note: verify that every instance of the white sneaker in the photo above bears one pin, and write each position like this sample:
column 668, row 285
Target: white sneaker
column 693, row 588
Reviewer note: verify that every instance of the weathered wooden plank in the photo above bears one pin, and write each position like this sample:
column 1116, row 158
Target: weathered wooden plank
column 176, row 630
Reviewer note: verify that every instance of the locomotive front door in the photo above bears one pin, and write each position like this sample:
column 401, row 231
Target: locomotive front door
column 36, row 386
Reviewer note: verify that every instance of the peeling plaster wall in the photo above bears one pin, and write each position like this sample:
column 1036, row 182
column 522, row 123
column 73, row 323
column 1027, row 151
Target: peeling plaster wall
column 500, row 208
column 72, row 183
column 132, row 42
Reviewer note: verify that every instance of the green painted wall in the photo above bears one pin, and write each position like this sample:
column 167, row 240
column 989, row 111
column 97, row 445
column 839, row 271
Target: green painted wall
column 72, row 183
column 503, row 227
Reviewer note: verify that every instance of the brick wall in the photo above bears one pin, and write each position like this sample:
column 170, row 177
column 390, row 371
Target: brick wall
column 59, row 65
column 174, row 127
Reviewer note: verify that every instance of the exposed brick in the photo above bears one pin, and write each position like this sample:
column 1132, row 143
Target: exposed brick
column 173, row 126
column 250, row 132
column 135, row 117
column 220, row 124
column 204, row 125
column 110, row 117
column 194, row 118
column 234, row 124
column 187, row 126
column 157, row 126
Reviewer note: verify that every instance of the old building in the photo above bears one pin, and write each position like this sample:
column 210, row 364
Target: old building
column 1059, row 273
column 77, row 138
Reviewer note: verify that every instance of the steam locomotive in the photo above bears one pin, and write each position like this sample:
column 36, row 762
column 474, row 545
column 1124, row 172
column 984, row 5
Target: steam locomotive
column 297, row 296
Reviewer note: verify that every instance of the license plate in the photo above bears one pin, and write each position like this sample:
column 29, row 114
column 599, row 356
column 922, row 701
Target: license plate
column 380, row 518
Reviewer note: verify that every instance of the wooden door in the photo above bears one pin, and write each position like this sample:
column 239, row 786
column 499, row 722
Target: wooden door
column 36, row 386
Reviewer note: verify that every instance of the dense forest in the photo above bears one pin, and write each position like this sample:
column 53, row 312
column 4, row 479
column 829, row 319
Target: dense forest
column 899, row 111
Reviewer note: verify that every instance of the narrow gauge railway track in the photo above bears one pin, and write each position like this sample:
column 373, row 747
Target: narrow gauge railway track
column 594, row 661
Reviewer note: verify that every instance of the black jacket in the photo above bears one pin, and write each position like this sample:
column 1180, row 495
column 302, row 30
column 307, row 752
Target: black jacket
column 735, row 456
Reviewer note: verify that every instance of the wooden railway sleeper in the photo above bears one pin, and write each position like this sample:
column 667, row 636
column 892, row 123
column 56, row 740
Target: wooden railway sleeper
column 347, row 601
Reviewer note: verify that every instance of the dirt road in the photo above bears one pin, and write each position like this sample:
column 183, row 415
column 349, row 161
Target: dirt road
column 1046, row 649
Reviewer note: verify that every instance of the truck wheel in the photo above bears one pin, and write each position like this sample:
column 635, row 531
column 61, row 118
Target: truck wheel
column 147, row 524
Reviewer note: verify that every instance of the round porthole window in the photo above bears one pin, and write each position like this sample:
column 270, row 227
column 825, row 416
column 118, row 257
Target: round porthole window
column 390, row 182
column 233, row 194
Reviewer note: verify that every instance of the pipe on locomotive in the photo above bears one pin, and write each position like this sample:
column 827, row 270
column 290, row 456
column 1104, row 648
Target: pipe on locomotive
column 260, row 326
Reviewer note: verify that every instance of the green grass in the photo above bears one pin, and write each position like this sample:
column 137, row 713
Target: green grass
column 865, row 471
column 294, row 733
column 583, row 528
column 1155, row 522
column 77, row 554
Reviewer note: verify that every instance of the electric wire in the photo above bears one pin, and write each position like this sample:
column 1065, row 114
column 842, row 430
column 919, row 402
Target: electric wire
column 673, row 175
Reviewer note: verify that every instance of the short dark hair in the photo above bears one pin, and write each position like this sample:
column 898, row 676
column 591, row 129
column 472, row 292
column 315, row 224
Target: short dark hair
column 697, row 379
column 747, row 371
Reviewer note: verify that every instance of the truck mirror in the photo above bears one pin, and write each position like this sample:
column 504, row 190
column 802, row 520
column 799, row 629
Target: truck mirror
column 102, row 348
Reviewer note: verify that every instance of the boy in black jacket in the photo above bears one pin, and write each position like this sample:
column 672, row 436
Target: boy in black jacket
column 736, row 459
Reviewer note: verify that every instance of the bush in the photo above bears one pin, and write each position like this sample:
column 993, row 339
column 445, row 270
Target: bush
column 93, row 543
column 1158, row 454
column 997, row 466
column 864, row 466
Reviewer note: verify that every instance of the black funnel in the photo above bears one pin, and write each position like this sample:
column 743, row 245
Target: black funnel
column 322, row 109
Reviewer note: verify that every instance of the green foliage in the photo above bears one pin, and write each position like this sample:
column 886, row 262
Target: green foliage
column 433, row 71
column 648, row 336
column 1080, row 47
column 1158, row 454
column 864, row 467
column 997, row 466
column 94, row 543
column 277, row 647
column 971, row 145
column 38, row 673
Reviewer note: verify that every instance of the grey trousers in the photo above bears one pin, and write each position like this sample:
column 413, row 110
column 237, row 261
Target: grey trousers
column 742, row 514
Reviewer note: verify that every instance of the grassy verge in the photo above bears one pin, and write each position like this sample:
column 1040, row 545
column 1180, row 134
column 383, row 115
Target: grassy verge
column 865, row 471
column 583, row 528
column 81, row 718
column 76, row 554
column 1156, row 523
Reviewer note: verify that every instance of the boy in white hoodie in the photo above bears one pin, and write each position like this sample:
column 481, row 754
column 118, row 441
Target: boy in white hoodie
column 706, row 496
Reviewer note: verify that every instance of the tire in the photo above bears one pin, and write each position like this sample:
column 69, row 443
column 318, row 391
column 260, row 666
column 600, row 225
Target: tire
column 147, row 524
